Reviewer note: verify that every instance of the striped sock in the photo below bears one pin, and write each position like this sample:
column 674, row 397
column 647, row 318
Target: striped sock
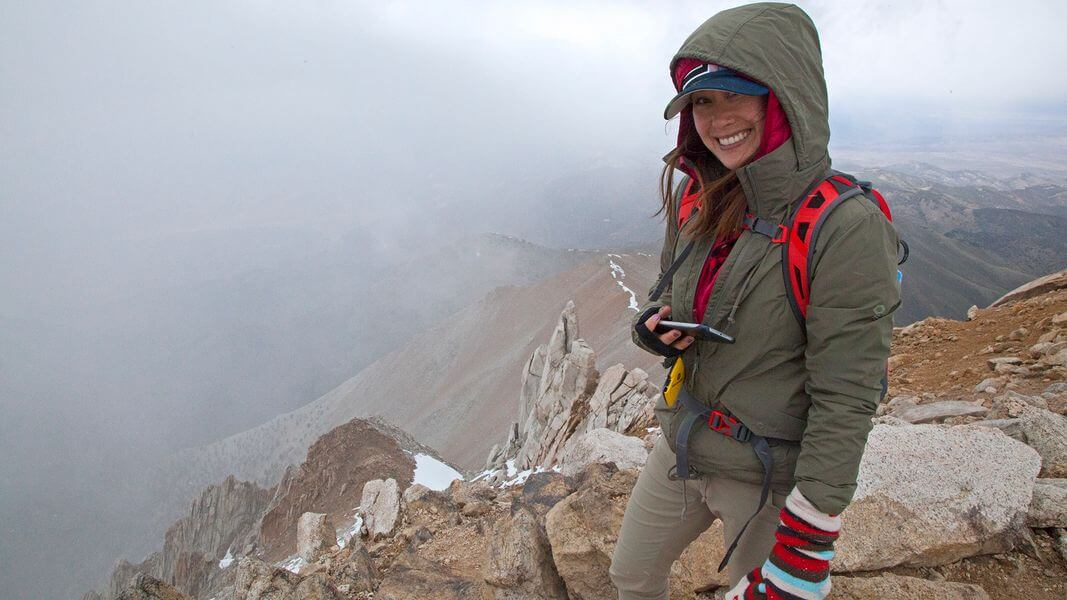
column 799, row 564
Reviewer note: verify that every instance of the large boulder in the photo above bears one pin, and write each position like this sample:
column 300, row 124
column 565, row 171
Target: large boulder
column 896, row 587
column 519, row 556
column 603, row 446
column 583, row 530
column 314, row 534
column 380, row 507
column 584, row 527
column 519, row 560
column 930, row 495
column 1046, row 432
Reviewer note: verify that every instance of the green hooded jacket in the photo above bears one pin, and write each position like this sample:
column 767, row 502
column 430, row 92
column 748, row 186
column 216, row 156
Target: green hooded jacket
column 819, row 383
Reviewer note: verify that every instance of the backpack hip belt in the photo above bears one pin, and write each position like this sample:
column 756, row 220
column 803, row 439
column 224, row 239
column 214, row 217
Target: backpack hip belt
column 724, row 423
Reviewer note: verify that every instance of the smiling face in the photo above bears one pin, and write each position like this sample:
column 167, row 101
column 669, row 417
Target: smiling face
column 729, row 124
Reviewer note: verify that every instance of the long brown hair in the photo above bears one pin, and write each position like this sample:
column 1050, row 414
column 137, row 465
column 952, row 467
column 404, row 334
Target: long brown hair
column 722, row 201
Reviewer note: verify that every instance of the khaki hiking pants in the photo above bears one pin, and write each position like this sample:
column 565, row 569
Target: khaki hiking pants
column 654, row 532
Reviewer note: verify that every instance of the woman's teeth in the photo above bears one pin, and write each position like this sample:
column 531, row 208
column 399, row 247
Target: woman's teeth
column 733, row 139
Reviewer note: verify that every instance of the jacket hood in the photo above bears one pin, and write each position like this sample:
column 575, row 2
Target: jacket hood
column 777, row 45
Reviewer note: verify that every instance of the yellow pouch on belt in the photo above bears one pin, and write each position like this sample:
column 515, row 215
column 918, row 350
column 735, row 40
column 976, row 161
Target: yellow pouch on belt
column 674, row 383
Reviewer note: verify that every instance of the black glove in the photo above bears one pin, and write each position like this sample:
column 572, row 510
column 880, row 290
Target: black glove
column 650, row 338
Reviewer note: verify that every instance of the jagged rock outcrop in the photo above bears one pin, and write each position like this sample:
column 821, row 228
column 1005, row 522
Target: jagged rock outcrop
column 563, row 395
column 623, row 401
column 930, row 495
column 224, row 519
column 567, row 379
column 603, row 446
column 331, row 481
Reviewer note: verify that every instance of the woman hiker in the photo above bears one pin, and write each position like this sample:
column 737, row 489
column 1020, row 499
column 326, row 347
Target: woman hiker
column 766, row 432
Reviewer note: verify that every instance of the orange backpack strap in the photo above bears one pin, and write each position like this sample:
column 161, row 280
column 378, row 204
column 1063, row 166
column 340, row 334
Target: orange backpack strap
column 798, row 236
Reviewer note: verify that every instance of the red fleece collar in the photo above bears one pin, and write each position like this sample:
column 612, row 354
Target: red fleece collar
column 776, row 128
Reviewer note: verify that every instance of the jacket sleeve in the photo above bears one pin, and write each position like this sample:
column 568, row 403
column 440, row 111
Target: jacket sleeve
column 854, row 290
column 666, row 257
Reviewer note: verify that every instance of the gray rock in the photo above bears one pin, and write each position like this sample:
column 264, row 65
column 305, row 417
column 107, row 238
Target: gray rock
column 901, row 402
column 1012, row 404
column 144, row 587
column 930, row 495
column 1049, row 506
column 316, row 586
column 314, row 534
column 256, row 580
column 897, row 587
column 603, row 446
column 380, row 507
column 1056, row 388
column 1003, row 361
column 1046, row 432
column 415, row 492
column 414, row 577
column 935, row 411
column 988, row 382
column 1059, row 358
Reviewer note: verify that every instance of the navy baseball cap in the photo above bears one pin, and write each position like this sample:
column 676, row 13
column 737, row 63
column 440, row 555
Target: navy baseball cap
column 708, row 76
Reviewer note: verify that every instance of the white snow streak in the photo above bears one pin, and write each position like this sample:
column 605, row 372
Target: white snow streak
column 345, row 535
column 618, row 273
column 226, row 560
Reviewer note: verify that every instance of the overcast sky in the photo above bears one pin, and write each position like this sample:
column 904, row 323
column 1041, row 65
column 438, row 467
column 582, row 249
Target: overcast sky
column 120, row 115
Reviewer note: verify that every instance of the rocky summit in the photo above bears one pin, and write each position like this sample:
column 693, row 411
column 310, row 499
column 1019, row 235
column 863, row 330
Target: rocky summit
column 961, row 491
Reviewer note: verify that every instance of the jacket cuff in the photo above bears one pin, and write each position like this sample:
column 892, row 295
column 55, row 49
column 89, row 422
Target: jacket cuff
column 825, row 498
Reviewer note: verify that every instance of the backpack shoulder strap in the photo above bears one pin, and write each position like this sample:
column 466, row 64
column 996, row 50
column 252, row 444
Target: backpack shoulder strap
column 803, row 229
column 804, row 226
column 667, row 276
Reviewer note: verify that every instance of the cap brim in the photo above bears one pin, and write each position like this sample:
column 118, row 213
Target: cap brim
column 738, row 85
